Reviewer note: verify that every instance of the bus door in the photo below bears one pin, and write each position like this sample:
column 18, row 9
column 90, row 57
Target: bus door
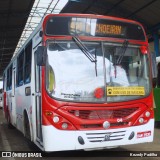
column 13, row 113
column 156, row 86
column 38, row 102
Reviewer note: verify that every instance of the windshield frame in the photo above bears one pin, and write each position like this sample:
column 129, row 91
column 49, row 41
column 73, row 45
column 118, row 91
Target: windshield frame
column 104, row 70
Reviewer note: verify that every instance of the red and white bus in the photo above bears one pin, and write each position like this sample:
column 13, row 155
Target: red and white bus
column 81, row 82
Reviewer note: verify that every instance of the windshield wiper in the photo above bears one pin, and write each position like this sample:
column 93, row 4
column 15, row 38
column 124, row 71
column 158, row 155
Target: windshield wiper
column 84, row 49
column 121, row 52
column 86, row 52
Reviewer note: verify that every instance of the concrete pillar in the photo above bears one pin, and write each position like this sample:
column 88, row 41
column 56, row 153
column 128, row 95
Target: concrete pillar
column 156, row 43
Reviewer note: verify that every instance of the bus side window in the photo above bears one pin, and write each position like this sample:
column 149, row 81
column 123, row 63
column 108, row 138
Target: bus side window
column 9, row 78
column 20, row 63
column 7, row 86
column 158, row 75
column 27, row 64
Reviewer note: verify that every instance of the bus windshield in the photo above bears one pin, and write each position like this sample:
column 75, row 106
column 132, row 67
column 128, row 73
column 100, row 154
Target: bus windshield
column 72, row 76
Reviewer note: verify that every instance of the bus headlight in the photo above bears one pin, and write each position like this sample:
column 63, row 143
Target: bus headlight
column 145, row 117
column 64, row 125
column 141, row 120
column 147, row 114
column 55, row 119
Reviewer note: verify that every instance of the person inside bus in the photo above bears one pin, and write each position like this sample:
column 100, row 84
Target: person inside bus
column 118, row 73
column 125, row 65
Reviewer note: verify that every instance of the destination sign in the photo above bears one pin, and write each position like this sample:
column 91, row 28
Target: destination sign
column 109, row 29
column 101, row 29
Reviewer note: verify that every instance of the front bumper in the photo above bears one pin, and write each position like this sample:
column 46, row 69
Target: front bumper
column 58, row 140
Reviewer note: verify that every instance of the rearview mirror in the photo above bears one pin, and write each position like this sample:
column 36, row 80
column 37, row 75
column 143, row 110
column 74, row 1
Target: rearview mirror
column 41, row 54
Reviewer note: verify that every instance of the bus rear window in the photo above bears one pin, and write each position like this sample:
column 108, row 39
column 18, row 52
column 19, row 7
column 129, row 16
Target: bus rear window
column 93, row 27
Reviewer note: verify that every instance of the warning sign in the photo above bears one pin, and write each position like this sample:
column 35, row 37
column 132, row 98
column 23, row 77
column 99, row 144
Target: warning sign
column 129, row 91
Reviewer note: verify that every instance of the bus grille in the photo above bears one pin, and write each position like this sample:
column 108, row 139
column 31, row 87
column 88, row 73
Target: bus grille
column 103, row 114
column 112, row 125
column 106, row 136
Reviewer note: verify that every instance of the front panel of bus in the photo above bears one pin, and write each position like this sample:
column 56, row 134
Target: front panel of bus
column 96, row 82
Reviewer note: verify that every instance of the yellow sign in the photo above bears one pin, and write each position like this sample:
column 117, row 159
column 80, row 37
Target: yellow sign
column 109, row 29
column 125, row 91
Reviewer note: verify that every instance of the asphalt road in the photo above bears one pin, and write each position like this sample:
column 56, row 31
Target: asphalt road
column 13, row 140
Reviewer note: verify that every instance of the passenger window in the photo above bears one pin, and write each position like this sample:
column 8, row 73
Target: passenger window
column 27, row 65
column 20, row 62
column 9, row 78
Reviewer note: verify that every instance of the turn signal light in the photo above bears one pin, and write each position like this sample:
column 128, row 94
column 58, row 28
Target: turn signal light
column 48, row 113
column 143, row 49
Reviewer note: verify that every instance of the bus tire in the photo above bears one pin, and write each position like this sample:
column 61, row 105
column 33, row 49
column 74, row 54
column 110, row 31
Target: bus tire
column 157, row 124
column 27, row 131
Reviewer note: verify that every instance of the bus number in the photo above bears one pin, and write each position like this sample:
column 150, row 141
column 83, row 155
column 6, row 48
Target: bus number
column 119, row 120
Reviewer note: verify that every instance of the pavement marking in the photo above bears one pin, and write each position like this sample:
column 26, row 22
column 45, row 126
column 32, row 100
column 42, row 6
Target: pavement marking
column 5, row 143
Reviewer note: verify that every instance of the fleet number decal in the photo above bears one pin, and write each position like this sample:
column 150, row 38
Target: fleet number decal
column 143, row 134
column 115, row 91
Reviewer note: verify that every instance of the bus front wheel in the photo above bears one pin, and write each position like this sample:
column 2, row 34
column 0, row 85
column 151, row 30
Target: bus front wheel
column 27, row 132
column 26, row 127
